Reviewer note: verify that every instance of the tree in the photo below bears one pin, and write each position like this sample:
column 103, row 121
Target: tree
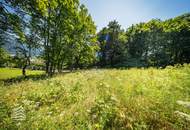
column 83, row 50
column 4, row 57
column 62, row 30
column 112, row 43
column 155, row 43
column 178, row 33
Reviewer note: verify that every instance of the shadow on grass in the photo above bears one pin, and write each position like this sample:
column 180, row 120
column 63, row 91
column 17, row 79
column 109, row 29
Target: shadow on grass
column 10, row 81
column 19, row 79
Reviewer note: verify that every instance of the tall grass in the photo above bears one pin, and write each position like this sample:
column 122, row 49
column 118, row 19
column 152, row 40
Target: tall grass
column 134, row 99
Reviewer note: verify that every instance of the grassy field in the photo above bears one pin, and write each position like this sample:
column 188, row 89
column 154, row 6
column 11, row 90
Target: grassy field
column 134, row 99
column 6, row 73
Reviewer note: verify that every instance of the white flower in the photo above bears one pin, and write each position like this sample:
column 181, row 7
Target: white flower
column 88, row 111
column 37, row 104
column 26, row 102
column 94, row 116
column 76, row 114
column 185, row 104
column 62, row 113
column 183, row 115
column 50, row 113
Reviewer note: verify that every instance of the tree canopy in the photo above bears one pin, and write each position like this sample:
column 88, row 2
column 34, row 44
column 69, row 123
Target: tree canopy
column 155, row 43
column 62, row 29
column 63, row 34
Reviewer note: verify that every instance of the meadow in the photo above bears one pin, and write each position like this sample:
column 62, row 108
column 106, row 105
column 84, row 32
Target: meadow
column 7, row 73
column 98, row 99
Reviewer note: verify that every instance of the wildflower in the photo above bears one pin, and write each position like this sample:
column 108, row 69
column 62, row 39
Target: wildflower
column 107, row 86
column 94, row 116
column 183, row 115
column 76, row 114
column 38, row 104
column 62, row 113
column 26, row 102
column 50, row 113
column 122, row 115
column 88, row 111
column 101, row 84
column 185, row 104
column 113, row 98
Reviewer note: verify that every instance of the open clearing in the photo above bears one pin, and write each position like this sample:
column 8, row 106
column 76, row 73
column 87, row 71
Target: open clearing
column 6, row 73
column 99, row 99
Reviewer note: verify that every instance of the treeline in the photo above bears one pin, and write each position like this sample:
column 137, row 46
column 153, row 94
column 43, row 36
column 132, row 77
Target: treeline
column 62, row 35
column 62, row 32
column 155, row 43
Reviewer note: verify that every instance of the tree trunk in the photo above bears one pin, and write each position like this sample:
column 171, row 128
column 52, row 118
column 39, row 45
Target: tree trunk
column 24, row 70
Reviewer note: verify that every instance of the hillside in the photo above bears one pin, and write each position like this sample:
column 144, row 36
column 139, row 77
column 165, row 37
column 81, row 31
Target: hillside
column 98, row 99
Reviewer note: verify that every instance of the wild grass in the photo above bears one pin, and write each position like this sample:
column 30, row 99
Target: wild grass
column 134, row 99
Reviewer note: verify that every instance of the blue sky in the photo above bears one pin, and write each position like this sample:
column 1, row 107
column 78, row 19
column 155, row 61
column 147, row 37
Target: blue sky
column 128, row 12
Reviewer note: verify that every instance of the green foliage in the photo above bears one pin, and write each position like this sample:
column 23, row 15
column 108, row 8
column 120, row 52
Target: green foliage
column 104, row 113
column 4, row 58
column 100, row 99
column 63, row 31
column 112, row 44
column 64, row 34
column 155, row 43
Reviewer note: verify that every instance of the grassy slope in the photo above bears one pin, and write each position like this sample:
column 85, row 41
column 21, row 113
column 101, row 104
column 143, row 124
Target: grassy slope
column 100, row 99
column 6, row 73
